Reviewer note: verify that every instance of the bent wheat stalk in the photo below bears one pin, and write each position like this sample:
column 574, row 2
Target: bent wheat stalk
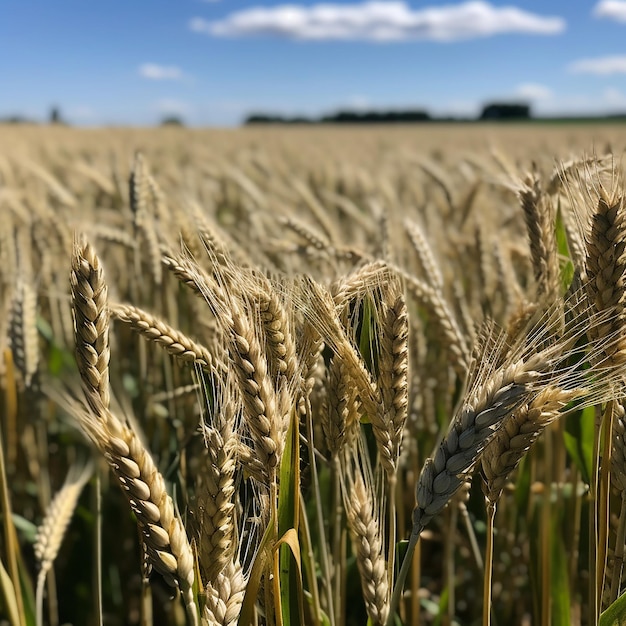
column 166, row 541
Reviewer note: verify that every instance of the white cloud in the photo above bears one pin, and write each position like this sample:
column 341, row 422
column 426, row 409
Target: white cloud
column 380, row 21
column 613, row 9
column 153, row 71
column 533, row 91
column 600, row 65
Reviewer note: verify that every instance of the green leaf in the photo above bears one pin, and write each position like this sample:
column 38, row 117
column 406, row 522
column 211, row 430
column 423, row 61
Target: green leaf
column 615, row 615
column 566, row 265
column 367, row 334
column 578, row 437
column 288, row 548
column 27, row 529
column 559, row 581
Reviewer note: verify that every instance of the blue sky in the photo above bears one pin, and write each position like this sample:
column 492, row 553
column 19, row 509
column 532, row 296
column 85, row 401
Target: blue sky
column 132, row 62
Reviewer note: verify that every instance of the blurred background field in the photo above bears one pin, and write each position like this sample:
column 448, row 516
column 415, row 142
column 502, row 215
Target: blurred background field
column 426, row 218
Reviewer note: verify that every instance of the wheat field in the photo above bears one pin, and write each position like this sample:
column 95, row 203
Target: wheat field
column 326, row 376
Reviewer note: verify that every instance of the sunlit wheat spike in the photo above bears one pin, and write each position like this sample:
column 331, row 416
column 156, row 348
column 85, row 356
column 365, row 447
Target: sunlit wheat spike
column 517, row 434
column 52, row 529
column 365, row 529
column 216, row 486
column 340, row 420
column 171, row 340
column 540, row 217
column 393, row 371
column 224, row 597
column 163, row 533
column 91, row 321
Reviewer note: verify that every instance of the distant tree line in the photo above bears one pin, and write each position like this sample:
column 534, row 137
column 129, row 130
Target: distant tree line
column 491, row 111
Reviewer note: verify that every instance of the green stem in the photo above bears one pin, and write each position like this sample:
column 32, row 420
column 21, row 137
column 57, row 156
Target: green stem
column 401, row 580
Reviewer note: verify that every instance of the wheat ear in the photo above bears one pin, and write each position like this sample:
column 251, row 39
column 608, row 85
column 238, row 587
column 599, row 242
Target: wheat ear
column 424, row 255
column 443, row 318
column 393, row 376
column 539, row 218
column 52, row 529
column 216, row 486
column 167, row 544
column 365, row 529
column 605, row 270
column 517, row 434
column 224, row 597
column 171, row 340
column 471, row 429
column 23, row 330
column 91, row 321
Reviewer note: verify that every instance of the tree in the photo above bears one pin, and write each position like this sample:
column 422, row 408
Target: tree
column 55, row 115
column 505, row 111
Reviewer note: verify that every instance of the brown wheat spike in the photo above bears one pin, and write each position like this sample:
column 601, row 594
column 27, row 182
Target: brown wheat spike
column 280, row 344
column 605, row 268
column 306, row 233
column 216, row 486
column 323, row 315
column 214, row 244
column 167, row 545
column 166, row 542
column 539, row 217
column 91, row 319
column 259, row 397
column 339, row 417
column 479, row 416
column 138, row 189
column 440, row 178
column 184, row 270
column 365, row 529
column 112, row 234
column 517, row 434
column 52, row 529
column 171, row 340
column 442, row 317
column 358, row 284
column 224, row 597
column 394, row 364
column 424, row 255
column 23, row 335
column 265, row 409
